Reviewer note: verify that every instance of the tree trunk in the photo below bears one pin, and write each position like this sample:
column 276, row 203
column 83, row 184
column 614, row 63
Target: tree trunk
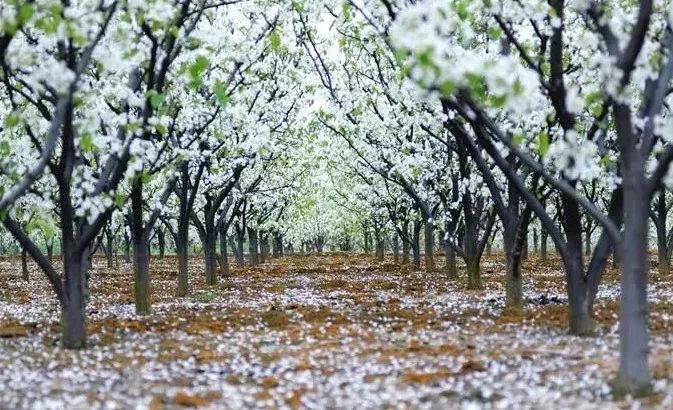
column 416, row 244
column 50, row 250
column 536, row 240
column 127, row 248
column 662, row 239
column 109, row 250
column 543, row 244
column 24, row 265
column 634, row 375
column 405, row 252
column 141, row 255
column 513, row 238
column 587, row 241
column 429, row 246
column 162, row 243
column 253, row 246
column 224, row 254
column 579, row 312
column 367, row 244
column 473, row 273
column 396, row 247
column 210, row 252
column 181, row 248
column 275, row 248
column 472, row 256
column 238, row 255
column 379, row 246
column 451, row 267
column 240, row 258
column 260, row 242
column 663, row 262
column 73, row 313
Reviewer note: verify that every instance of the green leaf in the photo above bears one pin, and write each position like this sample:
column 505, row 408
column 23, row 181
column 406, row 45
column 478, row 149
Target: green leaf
column 517, row 139
column 196, row 70
column 156, row 99
column 4, row 148
column 26, row 13
column 543, row 143
column 477, row 85
column 12, row 120
column 146, row 177
column 120, row 199
column 447, row 88
column 221, row 94
column 86, row 143
column 274, row 40
column 518, row 87
column 161, row 129
column 346, row 10
column 494, row 33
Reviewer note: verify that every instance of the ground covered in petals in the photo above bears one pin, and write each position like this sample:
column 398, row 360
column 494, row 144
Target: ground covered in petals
column 334, row 331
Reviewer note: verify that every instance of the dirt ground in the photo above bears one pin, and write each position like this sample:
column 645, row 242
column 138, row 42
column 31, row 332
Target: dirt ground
column 333, row 331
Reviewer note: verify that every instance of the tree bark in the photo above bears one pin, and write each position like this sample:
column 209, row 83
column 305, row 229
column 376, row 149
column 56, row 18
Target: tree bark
column 380, row 246
column 253, row 246
column 24, row 265
column 210, row 253
column 162, row 243
column 396, row 247
column 451, row 267
column 50, row 250
column 536, row 240
column 240, row 258
column 634, row 375
column 127, row 248
column 109, row 250
column 429, row 246
column 587, row 242
column 416, row 244
column 73, row 312
column 141, row 255
column 224, row 254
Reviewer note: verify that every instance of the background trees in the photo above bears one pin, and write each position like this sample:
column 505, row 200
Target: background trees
column 348, row 125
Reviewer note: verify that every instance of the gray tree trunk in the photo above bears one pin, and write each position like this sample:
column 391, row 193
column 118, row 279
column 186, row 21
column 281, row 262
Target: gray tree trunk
column 253, row 247
column 429, row 247
column 634, row 373
column 395, row 243
column 416, row 244
column 141, row 255
column 224, row 254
